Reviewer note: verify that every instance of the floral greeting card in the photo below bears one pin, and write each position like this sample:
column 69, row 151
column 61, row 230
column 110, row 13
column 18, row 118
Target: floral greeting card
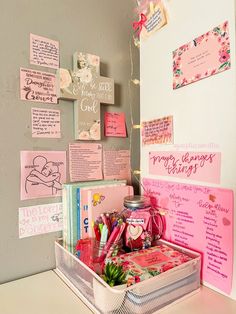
column 204, row 56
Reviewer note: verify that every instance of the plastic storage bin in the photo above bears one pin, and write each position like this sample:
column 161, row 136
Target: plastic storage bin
column 145, row 297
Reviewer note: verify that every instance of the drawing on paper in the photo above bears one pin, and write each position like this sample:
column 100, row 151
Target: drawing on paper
column 42, row 174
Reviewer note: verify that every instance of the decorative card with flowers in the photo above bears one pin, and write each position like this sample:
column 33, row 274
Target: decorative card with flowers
column 147, row 263
column 204, row 56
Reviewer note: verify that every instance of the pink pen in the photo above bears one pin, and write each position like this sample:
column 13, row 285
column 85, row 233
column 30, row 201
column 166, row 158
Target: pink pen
column 110, row 241
column 117, row 239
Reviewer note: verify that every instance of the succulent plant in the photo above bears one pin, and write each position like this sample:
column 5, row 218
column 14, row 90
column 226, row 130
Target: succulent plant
column 114, row 274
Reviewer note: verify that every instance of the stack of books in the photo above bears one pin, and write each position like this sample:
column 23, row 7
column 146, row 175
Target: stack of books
column 83, row 202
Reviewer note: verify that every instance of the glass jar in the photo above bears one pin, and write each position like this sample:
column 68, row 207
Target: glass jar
column 138, row 217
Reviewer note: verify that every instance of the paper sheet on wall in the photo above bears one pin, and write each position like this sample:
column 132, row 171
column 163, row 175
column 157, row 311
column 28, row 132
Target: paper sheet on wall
column 204, row 56
column 158, row 131
column 115, row 124
column 40, row 219
column 42, row 173
column 116, row 165
column 200, row 218
column 46, row 123
column 200, row 166
column 44, row 51
column 85, row 160
column 37, row 86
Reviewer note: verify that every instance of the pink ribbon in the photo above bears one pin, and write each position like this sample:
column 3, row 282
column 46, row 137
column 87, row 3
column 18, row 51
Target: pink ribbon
column 139, row 25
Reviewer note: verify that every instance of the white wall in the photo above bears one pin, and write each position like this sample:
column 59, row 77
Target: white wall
column 204, row 112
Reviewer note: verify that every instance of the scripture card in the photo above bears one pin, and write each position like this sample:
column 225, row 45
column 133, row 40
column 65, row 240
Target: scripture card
column 115, row 124
column 199, row 218
column 42, row 173
column 40, row 219
column 204, row 56
column 44, row 51
column 46, row 123
column 85, row 160
column 158, row 131
column 200, row 166
column 37, row 86
column 153, row 17
column 116, row 165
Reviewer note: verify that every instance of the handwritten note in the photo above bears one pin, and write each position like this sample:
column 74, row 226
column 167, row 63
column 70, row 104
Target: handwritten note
column 115, row 124
column 85, row 161
column 37, row 86
column 206, row 55
column 116, row 165
column 200, row 166
column 40, row 219
column 158, row 131
column 46, row 123
column 42, row 173
column 199, row 218
column 44, row 51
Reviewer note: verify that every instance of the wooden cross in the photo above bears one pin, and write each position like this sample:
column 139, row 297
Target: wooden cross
column 88, row 89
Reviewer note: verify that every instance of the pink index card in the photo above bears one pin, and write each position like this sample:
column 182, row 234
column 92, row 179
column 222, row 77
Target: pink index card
column 37, row 86
column 46, row 123
column 200, row 166
column 115, row 124
column 204, row 56
column 199, row 218
column 44, row 51
column 42, row 173
column 85, row 160
column 116, row 165
column 158, row 131
column 40, row 219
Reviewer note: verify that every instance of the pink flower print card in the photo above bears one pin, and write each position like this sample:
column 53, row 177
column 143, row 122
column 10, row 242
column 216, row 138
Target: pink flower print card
column 204, row 56
column 147, row 263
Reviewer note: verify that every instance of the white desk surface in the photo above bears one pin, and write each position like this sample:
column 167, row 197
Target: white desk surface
column 46, row 293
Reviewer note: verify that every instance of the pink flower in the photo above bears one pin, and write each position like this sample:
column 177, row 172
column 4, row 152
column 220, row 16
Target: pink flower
column 137, row 279
column 213, row 71
column 224, row 57
column 225, row 25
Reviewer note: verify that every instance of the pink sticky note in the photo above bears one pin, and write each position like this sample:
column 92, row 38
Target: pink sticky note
column 85, row 160
column 44, row 51
column 46, row 123
column 200, row 218
column 116, row 165
column 40, row 219
column 158, row 131
column 200, row 166
column 204, row 56
column 42, row 173
column 37, row 86
column 115, row 124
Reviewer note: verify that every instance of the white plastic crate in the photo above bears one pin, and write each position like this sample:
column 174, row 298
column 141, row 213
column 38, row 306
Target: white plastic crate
column 145, row 297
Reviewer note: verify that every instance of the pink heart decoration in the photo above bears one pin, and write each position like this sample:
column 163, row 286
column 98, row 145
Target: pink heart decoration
column 226, row 221
column 135, row 231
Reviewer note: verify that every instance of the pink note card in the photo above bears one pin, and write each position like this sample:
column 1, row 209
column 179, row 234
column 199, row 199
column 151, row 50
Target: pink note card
column 44, row 51
column 199, row 218
column 85, row 160
column 40, row 219
column 116, row 165
column 204, row 56
column 200, row 166
column 46, row 123
column 115, row 124
column 42, row 173
column 158, row 131
column 37, row 86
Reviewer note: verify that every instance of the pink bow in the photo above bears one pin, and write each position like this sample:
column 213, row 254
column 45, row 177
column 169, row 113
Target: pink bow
column 139, row 25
